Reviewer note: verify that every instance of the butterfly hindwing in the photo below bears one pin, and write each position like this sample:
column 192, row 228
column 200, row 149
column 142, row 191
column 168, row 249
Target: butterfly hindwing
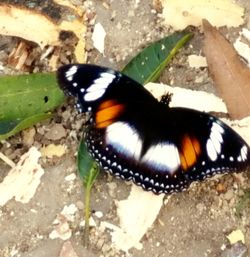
column 135, row 137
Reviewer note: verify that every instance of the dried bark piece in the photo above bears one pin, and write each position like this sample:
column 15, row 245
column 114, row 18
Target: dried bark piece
column 230, row 74
column 23, row 180
column 179, row 14
column 36, row 27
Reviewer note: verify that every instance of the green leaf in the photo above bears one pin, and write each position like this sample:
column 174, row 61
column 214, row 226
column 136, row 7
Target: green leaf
column 150, row 62
column 26, row 99
column 88, row 171
column 9, row 128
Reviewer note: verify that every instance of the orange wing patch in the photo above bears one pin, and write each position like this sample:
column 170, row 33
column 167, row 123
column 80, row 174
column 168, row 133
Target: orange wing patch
column 107, row 113
column 190, row 150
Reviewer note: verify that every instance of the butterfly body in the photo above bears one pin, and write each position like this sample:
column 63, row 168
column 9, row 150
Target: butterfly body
column 135, row 137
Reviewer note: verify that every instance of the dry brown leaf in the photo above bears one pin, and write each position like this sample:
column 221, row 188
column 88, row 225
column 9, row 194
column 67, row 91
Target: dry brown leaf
column 230, row 74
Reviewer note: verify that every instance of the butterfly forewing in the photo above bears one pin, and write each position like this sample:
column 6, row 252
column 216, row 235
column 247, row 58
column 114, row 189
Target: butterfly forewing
column 135, row 137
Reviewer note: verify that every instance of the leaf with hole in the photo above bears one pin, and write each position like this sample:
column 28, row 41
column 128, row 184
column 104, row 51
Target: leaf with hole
column 26, row 100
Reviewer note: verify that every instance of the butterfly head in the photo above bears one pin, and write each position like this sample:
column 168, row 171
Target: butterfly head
column 88, row 83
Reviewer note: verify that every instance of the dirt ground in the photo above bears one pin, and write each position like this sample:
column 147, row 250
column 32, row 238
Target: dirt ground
column 194, row 223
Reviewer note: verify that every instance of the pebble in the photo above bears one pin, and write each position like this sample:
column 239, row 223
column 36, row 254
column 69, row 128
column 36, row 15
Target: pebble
column 199, row 79
column 80, row 205
column 236, row 250
column 100, row 243
column 56, row 132
column 131, row 13
column 99, row 214
column 119, row 25
column 66, row 115
column 200, row 207
column 70, row 177
column 28, row 136
column 112, row 188
column 229, row 195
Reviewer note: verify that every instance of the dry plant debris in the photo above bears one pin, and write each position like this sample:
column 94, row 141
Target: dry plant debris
column 24, row 23
column 236, row 236
column 180, row 14
column 22, row 180
column 98, row 37
column 52, row 150
column 242, row 48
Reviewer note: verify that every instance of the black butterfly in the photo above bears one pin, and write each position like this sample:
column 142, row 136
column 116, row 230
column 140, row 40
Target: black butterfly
column 135, row 137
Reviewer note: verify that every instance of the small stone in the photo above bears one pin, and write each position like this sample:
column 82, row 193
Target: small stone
column 98, row 214
column 66, row 115
column 229, row 195
column 69, row 212
column 199, row 79
column 28, row 136
column 70, row 177
column 236, row 250
column 100, row 243
column 56, row 132
column 106, row 248
column 112, row 186
column 200, row 207
column 131, row 13
column 221, row 188
column 119, row 26
column 80, row 205
column 113, row 15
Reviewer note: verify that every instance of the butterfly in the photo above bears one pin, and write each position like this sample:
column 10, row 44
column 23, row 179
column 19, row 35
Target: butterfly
column 134, row 136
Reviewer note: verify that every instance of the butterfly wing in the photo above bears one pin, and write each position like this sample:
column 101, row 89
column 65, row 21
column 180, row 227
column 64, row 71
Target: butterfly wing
column 133, row 136
column 165, row 149
column 207, row 146
column 93, row 85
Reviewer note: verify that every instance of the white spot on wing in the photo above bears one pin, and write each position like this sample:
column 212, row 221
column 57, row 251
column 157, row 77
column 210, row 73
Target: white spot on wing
column 215, row 141
column 94, row 95
column 243, row 153
column 124, row 139
column 163, row 156
column 99, row 86
column 212, row 154
column 70, row 72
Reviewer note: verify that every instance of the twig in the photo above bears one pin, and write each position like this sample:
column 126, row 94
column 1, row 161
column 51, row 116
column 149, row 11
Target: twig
column 7, row 160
